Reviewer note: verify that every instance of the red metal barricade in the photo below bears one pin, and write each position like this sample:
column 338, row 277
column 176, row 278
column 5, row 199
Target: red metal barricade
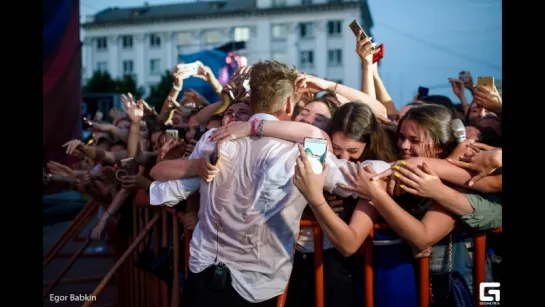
column 139, row 288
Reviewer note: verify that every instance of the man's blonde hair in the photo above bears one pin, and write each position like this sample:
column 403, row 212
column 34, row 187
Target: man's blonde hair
column 271, row 82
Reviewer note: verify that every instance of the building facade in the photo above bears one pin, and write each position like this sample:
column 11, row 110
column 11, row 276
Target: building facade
column 145, row 41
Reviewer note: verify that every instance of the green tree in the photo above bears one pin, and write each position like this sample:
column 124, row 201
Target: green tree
column 159, row 91
column 128, row 84
column 100, row 82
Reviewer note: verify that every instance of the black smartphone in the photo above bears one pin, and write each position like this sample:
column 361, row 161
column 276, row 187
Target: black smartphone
column 423, row 91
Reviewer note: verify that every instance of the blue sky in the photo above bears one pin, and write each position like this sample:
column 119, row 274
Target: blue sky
column 426, row 41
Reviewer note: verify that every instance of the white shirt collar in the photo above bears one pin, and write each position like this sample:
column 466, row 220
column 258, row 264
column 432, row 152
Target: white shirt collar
column 263, row 116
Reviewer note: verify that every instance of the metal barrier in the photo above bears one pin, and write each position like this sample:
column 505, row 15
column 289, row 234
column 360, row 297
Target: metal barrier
column 139, row 288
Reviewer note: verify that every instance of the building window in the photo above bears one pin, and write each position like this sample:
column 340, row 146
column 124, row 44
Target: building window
column 306, row 2
column 334, row 57
column 305, row 30
column 212, row 36
column 334, row 27
column 184, row 39
column 281, row 57
column 102, row 66
column 242, row 34
column 154, row 40
column 126, row 41
column 306, row 58
column 155, row 66
column 102, row 43
column 279, row 32
column 128, row 67
column 279, row 3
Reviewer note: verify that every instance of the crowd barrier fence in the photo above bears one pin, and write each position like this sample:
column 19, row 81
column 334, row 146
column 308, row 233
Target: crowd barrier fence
column 140, row 288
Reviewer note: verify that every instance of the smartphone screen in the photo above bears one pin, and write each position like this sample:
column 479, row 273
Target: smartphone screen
column 355, row 27
column 171, row 134
column 316, row 150
column 423, row 91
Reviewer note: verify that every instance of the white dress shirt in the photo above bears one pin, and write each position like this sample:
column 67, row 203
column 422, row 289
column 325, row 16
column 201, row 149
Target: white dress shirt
column 250, row 213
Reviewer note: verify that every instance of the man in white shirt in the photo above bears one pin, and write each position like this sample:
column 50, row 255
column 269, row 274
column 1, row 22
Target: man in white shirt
column 242, row 247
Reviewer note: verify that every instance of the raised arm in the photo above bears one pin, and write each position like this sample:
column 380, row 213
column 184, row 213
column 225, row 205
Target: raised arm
column 285, row 130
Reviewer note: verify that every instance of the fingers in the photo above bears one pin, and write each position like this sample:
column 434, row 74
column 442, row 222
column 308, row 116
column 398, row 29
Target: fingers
column 348, row 176
column 300, row 165
column 483, row 146
column 476, row 178
column 304, row 158
column 409, row 190
column 347, row 187
column 391, row 187
column 368, row 168
column 405, row 180
column 426, row 169
column 406, row 172
column 384, row 174
column 325, row 170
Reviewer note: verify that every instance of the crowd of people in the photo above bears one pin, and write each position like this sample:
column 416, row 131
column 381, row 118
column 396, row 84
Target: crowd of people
column 237, row 169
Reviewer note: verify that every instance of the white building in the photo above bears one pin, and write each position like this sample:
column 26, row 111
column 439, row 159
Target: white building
column 146, row 41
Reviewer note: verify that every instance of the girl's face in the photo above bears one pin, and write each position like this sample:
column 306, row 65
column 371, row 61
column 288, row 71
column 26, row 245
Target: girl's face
column 414, row 142
column 315, row 113
column 237, row 112
column 346, row 148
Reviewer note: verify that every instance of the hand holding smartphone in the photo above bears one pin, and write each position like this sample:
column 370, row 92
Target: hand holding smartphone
column 487, row 82
column 316, row 150
column 128, row 168
column 171, row 134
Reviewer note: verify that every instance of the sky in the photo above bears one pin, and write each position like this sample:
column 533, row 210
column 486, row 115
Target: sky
column 425, row 41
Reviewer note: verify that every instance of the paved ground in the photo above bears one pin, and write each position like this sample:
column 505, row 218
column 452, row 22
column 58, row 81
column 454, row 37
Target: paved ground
column 82, row 268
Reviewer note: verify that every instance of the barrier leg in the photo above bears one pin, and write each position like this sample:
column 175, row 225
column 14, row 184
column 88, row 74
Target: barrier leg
column 368, row 271
column 424, row 282
column 318, row 265
column 123, row 258
column 75, row 227
column 175, row 295
column 479, row 263
column 66, row 268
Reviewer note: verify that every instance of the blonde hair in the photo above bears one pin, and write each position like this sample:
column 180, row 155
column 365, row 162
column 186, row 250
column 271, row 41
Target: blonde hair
column 271, row 82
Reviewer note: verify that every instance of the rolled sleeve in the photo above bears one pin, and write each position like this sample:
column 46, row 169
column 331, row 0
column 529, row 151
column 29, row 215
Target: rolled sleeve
column 170, row 193
column 487, row 212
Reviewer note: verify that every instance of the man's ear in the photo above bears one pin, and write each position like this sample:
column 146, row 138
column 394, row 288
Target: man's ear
column 289, row 106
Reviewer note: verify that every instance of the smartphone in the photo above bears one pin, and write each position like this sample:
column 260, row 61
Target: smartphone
column 171, row 134
column 128, row 165
column 379, row 54
column 193, row 68
column 423, row 91
column 215, row 155
column 356, row 28
column 487, row 82
column 316, row 150
column 464, row 76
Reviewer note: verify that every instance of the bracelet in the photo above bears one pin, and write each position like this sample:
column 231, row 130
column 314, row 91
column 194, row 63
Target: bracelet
column 176, row 88
column 253, row 131
column 314, row 207
column 260, row 128
column 134, row 132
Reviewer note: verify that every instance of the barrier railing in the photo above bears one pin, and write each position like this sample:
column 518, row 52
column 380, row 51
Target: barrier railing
column 139, row 288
